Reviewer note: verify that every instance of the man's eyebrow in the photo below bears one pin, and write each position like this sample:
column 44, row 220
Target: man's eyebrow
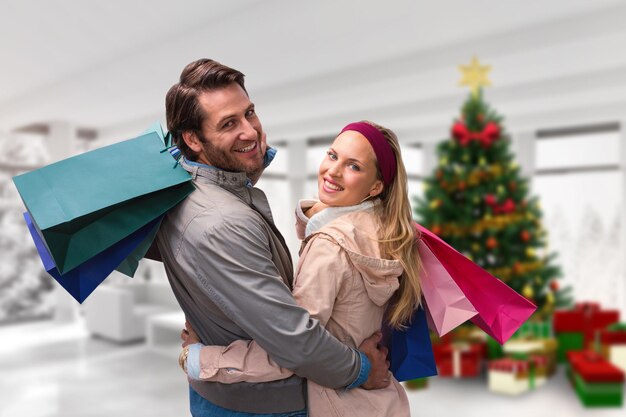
column 223, row 119
column 228, row 116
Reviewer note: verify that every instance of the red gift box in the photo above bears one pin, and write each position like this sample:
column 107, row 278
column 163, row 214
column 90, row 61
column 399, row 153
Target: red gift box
column 509, row 365
column 613, row 337
column 585, row 318
column 594, row 368
column 458, row 359
column 539, row 360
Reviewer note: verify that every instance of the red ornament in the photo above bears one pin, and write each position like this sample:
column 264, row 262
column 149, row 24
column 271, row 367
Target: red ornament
column 491, row 243
column 462, row 186
column 554, row 286
column 525, row 236
column 508, row 206
column 517, row 268
column 436, row 229
column 490, row 199
column 486, row 137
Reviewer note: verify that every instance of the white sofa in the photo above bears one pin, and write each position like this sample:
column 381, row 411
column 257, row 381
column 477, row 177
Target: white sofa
column 120, row 312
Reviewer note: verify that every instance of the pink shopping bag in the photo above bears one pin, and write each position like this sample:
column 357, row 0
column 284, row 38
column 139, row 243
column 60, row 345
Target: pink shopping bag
column 446, row 305
column 500, row 310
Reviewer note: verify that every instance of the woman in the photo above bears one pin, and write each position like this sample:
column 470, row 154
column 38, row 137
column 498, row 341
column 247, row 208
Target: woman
column 358, row 266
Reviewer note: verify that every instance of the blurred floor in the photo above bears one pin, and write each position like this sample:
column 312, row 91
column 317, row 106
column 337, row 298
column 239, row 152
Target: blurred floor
column 47, row 369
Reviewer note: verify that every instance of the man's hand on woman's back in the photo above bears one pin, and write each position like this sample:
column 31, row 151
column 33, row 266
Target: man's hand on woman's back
column 379, row 376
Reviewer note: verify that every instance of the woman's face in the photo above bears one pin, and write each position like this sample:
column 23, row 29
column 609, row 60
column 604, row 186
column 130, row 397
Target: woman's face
column 347, row 174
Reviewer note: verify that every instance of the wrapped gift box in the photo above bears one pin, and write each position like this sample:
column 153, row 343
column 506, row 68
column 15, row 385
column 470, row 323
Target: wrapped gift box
column 540, row 366
column 534, row 329
column 569, row 342
column 494, row 349
column 526, row 348
column 508, row 376
column 597, row 382
column 613, row 345
column 458, row 359
column 531, row 329
column 472, row 336
column 516, row 376
column 577, row 329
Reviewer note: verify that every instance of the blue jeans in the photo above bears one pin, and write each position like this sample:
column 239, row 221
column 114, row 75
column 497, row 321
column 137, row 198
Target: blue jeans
column 201, row 407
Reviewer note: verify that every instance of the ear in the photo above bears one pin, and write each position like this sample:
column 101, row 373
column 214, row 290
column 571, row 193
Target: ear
column 192, row 140
column 377, row 188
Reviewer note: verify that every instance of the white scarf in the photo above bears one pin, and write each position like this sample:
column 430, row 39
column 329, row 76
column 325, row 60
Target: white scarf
column 319, row 220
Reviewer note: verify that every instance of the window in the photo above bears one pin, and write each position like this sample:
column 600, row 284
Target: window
column 278, row 167
column 413, row 157
column 315, row 153
column 276, row 187
column 580, row 187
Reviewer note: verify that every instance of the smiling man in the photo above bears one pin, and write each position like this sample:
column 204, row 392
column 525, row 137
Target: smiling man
column 228, row 264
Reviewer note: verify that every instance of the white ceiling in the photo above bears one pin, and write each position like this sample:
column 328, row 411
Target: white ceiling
column 107, row 65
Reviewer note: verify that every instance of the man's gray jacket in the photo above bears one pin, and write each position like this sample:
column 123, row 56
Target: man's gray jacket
column 231, row 273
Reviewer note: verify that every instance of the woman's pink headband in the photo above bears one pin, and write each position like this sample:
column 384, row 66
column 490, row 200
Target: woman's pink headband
column 384, row 154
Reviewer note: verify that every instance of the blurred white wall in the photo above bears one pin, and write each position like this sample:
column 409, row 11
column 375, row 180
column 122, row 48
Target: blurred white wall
column 71, row 66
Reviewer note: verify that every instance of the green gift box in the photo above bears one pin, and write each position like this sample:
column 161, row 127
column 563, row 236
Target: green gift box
column 494, row 349
column 597, row 382
column 598, row 394
column 569, row 341
column 535, row 329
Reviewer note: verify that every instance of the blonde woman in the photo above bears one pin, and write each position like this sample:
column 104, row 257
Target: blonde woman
column 358, row 267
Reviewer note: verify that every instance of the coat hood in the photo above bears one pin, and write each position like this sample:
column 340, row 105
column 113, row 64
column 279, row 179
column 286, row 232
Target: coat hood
column 356, row 233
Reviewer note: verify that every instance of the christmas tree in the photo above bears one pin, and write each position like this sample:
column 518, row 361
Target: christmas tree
column 477, row 201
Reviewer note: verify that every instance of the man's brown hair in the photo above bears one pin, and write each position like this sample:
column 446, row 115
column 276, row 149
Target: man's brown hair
column 182, row 109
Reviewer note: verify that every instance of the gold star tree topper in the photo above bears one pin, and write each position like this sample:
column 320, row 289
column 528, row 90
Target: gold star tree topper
column 475, row 75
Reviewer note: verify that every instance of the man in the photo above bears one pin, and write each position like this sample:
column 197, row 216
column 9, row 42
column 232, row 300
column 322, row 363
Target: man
column 227, row 262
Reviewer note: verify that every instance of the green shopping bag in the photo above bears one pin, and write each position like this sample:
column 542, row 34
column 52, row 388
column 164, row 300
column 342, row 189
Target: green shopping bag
column 84, row 204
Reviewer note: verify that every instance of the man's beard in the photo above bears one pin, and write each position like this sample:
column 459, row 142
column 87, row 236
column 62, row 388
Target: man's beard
column 224, row 160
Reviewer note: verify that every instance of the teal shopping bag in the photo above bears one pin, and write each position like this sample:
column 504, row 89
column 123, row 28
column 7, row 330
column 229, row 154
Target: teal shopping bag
column 85, row 204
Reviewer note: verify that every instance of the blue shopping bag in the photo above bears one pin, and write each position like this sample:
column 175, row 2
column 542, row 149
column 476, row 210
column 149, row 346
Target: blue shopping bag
column 81, row 281
column 411, row 351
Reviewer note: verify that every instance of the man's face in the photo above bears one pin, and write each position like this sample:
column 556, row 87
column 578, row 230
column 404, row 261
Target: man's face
column 232, row 135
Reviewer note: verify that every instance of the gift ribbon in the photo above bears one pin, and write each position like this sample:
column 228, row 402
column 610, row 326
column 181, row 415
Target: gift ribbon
column 456, row 363
column 587, row 307
column 486, row 137
column 457, row 352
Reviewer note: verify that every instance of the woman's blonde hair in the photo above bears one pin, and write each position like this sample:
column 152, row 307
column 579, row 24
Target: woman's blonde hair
column 398, row 238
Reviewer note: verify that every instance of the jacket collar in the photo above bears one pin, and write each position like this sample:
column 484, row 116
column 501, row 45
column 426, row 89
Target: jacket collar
column 225, row 179
column 209, row 174
column 321, row 219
